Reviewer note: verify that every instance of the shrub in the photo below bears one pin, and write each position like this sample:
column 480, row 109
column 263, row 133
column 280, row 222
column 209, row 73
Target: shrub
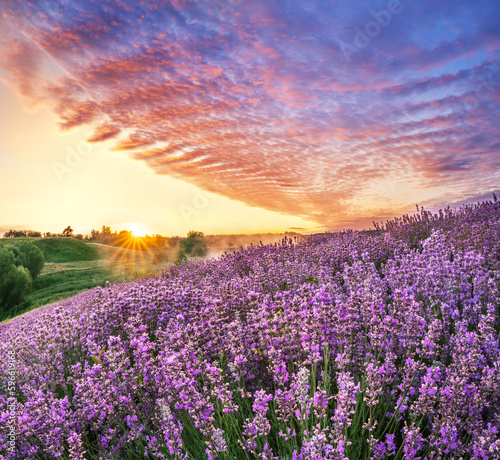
column 15, row 281
column 194, row 245
column 30, row 256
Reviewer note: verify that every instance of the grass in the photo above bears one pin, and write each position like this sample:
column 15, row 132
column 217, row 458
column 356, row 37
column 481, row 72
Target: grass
column 65, row 283
column 61, row 250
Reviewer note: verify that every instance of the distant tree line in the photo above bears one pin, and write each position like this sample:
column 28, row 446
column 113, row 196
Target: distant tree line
column 67, row 232
column 22, row 234
column 20, row 264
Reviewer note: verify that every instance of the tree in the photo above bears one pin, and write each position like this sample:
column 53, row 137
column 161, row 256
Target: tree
column 30, row 256
column 15, row 281
column 68, row 231
column 194, row 245
column 15, row 234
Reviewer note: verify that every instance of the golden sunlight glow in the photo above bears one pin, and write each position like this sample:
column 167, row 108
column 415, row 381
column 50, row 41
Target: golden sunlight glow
column 132, row 251
column 136, row 229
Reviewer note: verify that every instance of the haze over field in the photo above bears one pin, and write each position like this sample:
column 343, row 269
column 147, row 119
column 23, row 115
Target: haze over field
column 233, row 116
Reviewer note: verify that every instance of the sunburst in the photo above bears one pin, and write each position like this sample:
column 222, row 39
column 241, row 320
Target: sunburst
column 131, row 248
column 137, row 229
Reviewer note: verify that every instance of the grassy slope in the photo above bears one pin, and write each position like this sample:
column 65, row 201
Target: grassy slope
column 61, row 250
column 72, row 266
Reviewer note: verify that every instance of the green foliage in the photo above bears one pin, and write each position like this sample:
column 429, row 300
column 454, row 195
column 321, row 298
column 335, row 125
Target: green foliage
column 15, row 281
column 311, row 279
column 181, row 258
column 30, row 256
column 194, row 245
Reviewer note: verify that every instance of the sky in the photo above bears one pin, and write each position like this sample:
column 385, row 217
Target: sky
column 239, row 116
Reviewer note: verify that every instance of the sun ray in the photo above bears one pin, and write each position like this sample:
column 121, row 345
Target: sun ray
column 131, row 252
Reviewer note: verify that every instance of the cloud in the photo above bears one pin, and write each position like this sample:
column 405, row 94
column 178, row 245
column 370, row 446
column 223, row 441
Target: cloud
column 103, row 133
column 256, row 101
column 134, row 142
column 23, row 59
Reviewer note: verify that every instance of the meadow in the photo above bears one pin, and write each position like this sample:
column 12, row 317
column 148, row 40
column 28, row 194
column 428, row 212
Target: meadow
column 381, row 344
column 72, row 266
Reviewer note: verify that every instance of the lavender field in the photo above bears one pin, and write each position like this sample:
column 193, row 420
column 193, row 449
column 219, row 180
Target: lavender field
column 358, row 345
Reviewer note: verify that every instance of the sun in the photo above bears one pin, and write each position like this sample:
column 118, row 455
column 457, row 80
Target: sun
column 137, row 229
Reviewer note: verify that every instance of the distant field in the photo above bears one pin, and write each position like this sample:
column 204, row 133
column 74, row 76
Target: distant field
column 73, row 266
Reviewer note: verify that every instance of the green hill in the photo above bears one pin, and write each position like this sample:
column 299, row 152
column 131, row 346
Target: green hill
column 61, row 250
